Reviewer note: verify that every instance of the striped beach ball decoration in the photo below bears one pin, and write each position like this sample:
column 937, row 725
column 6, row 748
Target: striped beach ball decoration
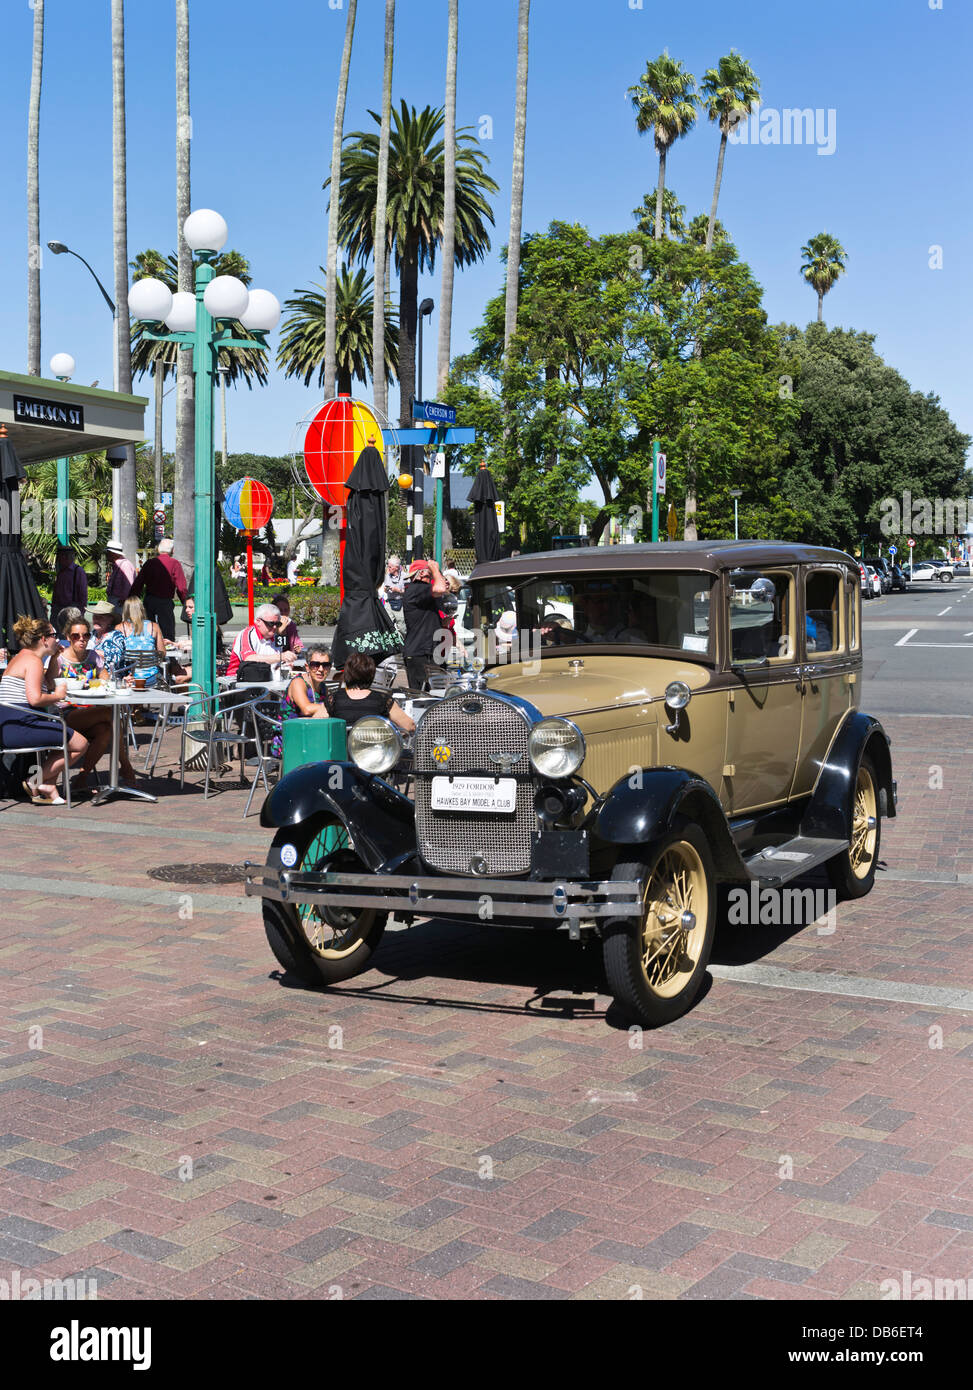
column 248, row 505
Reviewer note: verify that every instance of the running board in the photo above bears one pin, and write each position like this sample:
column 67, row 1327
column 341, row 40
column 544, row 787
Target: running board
column 780, row 863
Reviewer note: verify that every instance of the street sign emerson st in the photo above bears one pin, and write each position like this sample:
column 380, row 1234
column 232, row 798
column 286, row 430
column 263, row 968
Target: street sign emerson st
column 31, row 410
column 435, row 413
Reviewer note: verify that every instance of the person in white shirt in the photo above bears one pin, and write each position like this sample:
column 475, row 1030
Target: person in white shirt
column 258, row 643
column 292, row 571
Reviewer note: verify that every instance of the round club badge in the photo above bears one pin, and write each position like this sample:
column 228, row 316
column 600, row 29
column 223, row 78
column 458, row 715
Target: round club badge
column 288, row 856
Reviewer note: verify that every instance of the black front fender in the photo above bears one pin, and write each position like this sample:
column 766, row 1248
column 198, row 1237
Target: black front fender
column 643, row 805
column 831, row 810
column 379, row 820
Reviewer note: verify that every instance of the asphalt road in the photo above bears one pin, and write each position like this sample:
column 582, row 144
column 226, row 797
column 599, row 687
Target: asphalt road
column 918, row 650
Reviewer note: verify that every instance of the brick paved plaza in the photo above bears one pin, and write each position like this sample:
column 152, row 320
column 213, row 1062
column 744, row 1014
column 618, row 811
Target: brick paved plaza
column 177, row 1120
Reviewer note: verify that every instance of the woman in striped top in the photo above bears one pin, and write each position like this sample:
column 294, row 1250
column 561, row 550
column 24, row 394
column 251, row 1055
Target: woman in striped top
column 21, row 692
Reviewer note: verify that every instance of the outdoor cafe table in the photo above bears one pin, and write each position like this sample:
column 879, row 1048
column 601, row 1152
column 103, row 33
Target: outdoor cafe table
column 118, row 701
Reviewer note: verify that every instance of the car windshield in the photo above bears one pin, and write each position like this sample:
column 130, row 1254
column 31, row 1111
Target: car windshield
column 653, row 608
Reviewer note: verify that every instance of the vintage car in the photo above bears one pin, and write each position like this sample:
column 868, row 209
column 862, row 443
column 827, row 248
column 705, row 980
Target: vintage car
column 668, row 718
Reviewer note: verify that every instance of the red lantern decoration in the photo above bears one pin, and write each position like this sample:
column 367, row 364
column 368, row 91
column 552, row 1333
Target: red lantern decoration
column 334, row 439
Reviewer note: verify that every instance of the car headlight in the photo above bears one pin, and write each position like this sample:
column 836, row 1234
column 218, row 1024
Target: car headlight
column 374, row 744
column 556, row 747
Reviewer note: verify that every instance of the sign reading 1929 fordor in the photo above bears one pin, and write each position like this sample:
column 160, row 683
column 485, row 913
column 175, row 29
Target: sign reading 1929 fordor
column 29, row 410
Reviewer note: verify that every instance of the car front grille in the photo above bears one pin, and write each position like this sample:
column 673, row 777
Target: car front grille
column 472, row 726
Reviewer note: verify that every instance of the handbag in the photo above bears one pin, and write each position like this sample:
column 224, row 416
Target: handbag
column 254, row 672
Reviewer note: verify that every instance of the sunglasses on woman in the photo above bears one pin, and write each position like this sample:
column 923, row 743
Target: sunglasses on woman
column 320, row 665
column 75, row 635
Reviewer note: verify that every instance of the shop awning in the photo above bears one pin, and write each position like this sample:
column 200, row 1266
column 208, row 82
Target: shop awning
column 53, row 419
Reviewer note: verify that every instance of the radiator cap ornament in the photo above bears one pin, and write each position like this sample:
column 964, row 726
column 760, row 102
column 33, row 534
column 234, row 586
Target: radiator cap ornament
column 441, row 754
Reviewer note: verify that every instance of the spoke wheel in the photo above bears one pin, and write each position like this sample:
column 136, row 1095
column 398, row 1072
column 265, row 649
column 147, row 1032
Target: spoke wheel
column 656, row 964
column 316, row 942
column 852, row 872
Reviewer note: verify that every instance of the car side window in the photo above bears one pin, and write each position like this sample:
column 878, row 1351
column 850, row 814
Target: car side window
column 761, row 616
column 854, row 611
column 822, row 612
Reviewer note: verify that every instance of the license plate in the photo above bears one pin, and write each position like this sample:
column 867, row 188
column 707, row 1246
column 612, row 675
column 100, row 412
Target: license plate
column 474, row 794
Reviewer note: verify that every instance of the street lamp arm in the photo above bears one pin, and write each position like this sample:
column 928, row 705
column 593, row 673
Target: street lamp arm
column 108, row 300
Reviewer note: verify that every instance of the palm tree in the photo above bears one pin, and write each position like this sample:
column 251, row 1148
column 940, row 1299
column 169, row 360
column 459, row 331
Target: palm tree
column 303, row 343
column 157, row 358
column 334, row 206
column 33, row 198
column 673, row 215
column 665, row 102
column 184, row 482
column 449, row 201
column 517, row 180
column 416, row 197
column 824, row 260
column 379, row 298
column 449, row 244
column 702, row 227
column 729, row 92
column 127, row 508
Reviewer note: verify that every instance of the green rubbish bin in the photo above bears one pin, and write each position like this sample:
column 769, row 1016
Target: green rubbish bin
column 315, row 741
column 312, row 741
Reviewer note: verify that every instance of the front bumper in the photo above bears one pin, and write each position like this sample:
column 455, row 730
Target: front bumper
column 561, row 904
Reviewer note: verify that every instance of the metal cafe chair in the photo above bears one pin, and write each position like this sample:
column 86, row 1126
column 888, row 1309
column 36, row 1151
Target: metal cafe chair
column 220, row 726
column 263, row 714
column 46, row 749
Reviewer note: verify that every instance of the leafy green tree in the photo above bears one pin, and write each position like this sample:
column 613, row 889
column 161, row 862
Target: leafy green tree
column 415, row 211
column 824, row 262
column 858, row 433
column 302, row 346
column 664, row 99
column 729, row 93
column 606, row 360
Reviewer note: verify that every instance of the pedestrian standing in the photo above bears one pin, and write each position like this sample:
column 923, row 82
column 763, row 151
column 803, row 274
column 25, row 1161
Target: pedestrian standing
column 121, row 574
column 70, row 583
column 423, row 620
column 161, row 578
column 292, row 568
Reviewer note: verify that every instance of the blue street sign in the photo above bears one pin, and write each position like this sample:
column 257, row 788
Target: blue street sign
column 460, row 435
column 893, row 550
column 167, row 499
column 434, row 412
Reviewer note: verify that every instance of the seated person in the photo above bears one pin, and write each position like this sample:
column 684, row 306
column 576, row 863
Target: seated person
column 288, row 637
column 258, row 642
column 24, row 689
column 108, row 641
column 355, row 698
column 305, row 695
column 141, row 635
column 64, row 619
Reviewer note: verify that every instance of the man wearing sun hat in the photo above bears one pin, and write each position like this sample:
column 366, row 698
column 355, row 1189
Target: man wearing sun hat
column 121, row 574
column 423, row 620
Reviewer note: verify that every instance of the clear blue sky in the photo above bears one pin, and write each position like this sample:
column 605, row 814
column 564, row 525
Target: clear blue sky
column 263, row 92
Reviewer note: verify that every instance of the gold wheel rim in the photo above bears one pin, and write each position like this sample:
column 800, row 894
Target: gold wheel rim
column 675, row 911
column 331, row 940
column 864, row 827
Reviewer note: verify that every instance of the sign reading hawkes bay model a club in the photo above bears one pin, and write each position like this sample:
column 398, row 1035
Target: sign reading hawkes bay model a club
column 29, row 410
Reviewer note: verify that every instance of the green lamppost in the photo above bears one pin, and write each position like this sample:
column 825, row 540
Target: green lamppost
column 204, row 322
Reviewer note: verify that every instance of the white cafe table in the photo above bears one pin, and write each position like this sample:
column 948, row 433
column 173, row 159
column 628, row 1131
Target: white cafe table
column 117, row 701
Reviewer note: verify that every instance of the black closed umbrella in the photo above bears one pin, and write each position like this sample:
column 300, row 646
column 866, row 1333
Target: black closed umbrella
column 363, row 624
column 18, row 592
column 486, row 532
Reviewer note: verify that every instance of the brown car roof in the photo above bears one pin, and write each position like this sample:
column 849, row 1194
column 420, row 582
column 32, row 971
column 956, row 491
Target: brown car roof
column 712, row 556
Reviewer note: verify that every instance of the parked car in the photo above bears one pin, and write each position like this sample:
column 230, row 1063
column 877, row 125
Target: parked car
column 961, row 567
column 883, row 569
column 930, row 569
column 875, row 581
column 867, row 591
column 698, row 724
column 899, row 578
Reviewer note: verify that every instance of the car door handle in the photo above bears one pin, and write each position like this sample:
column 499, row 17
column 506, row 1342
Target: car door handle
column 810, row 670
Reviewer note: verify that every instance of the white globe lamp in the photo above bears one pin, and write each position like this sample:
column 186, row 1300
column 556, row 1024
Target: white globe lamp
column 226, row 297
column 63, row 365
column 150, row 300
column 181, row 318
column 262, row 312
column 205, row 230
